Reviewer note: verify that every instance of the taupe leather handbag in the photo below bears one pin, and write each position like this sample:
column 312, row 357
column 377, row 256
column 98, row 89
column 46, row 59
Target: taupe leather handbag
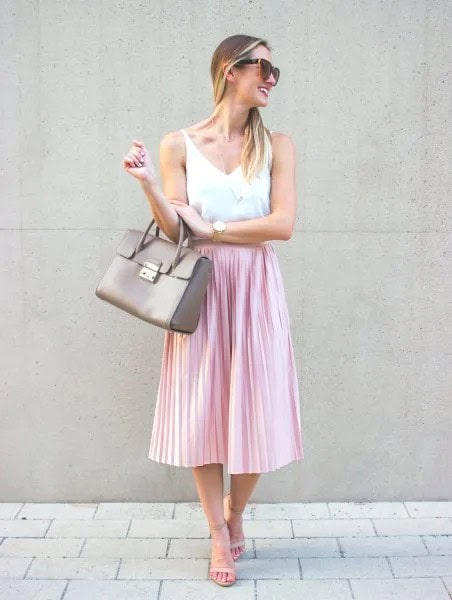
column 157, row 280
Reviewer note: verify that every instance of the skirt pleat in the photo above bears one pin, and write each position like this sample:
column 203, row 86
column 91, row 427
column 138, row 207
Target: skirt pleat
column 228, row 393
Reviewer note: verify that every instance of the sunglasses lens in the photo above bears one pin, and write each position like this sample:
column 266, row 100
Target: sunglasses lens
column 267, row 69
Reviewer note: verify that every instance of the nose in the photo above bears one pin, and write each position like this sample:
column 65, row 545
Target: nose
column 271, row 79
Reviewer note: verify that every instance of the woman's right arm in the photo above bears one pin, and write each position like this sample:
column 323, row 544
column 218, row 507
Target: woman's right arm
column 174, row 182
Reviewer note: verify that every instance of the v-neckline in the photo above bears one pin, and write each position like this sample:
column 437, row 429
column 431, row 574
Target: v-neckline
column 209, row 161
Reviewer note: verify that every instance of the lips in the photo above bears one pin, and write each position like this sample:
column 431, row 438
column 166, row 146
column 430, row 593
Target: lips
column 263, row 90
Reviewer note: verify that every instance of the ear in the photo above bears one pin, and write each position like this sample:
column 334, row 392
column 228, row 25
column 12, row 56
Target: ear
column 227, row 73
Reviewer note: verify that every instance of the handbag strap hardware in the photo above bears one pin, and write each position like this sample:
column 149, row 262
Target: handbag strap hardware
column 150, row 270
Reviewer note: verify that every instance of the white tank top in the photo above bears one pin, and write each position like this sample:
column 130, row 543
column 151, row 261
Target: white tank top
column 217, row 195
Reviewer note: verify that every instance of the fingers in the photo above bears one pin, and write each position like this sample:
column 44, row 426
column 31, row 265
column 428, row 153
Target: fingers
column 135, row 157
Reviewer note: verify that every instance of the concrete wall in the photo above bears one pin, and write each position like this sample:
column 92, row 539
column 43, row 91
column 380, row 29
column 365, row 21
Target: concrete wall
column 365, row 93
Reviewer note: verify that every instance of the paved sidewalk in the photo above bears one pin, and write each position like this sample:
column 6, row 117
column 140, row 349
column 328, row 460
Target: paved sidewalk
column 315, row 551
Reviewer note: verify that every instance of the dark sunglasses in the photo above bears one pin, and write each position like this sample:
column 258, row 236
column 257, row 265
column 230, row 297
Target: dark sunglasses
column 265, row 67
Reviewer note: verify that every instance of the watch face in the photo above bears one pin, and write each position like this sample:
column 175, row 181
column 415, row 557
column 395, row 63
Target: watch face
column 219, row 226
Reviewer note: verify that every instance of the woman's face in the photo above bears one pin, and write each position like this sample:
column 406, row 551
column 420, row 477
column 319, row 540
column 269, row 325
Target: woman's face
column 247, row 82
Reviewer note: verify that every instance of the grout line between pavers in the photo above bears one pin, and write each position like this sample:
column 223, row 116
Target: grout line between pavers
column 63, row 593
column 374, row 528
column 445, row 587
column 27, row 570
column 119, row 567
column 425, row 545
column 95, row 511
column 406, row 509
column 16, row 515
column 47, row 530
column 351, row 588
column 300, row 568
column 128, row 529
column 390, row 566
column 159, row 593
column 82, row 547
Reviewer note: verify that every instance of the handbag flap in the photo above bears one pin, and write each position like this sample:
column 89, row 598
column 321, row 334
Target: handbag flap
column 159, row 251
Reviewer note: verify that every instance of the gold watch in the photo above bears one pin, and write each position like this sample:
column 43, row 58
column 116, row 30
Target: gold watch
column 218, row 228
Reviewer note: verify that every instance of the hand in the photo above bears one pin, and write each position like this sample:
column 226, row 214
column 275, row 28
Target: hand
column 193, row 219
column 138, row 163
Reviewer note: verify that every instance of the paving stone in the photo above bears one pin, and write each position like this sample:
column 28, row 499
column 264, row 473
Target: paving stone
column 274, row 528
column 125, row 548
column 8, row 510
column 332, row 527
column 399, row 589
column 73, row 568
column 368, row 551
column 292, row 510
column 166, row 528
column 206, row 590
column 421, row 566
column 263, row 568
column 304, row 590
column 296, row 547
column 13, row 567
column 40, row 589
column 344, row 568
column 135, row 510
column 429, row 509
column 189, row 548
column 367, row 510
column 53, row 510
column 421, row 526
column 23, row 528
column 163, row 568
column 112, row 590
column 78, row 528
column 193, row 510
column 57, row 547
column 436, row 544
column 383, row 546
column 448, row 584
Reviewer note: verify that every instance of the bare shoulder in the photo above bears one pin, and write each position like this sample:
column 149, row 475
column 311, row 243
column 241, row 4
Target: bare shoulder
column 283, row 153
column 283, row 145
column 172, row 145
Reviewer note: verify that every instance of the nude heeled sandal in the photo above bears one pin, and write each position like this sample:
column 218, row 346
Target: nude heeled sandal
column 239, row 542
column 213, row 569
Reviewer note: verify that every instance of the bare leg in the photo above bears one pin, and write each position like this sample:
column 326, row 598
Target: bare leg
column 209, row 484
column 242, row 486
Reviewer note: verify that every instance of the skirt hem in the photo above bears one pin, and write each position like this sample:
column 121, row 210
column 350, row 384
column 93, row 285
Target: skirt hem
column 297, row 459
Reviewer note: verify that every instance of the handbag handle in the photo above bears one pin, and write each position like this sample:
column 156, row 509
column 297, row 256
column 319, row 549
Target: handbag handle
column 182, row 226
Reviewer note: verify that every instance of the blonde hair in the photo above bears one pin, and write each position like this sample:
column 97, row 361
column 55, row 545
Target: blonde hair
column 229, row 51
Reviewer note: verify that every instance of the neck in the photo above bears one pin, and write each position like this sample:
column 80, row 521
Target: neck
column 229, row 121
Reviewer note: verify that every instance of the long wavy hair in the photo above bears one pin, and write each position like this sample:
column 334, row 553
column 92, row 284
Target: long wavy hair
column 226, row 54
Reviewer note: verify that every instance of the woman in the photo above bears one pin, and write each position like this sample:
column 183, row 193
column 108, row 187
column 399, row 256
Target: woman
column 228, row 392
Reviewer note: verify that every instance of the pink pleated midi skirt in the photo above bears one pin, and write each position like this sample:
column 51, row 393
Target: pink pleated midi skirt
column 228, row 393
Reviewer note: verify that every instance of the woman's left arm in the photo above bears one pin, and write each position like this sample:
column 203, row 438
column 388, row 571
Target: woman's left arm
column 279, row 224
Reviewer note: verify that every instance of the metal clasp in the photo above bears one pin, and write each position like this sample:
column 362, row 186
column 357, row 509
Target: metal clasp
column 149, row 271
